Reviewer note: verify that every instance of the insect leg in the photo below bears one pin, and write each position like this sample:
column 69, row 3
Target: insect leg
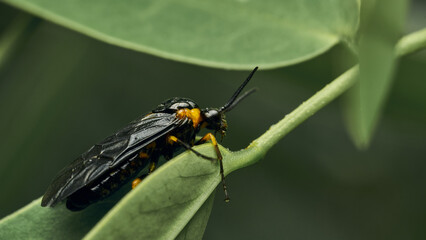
column 173, row 139
column 138, row 180
column 152, row 165
column 208, row 136
column 212, row 138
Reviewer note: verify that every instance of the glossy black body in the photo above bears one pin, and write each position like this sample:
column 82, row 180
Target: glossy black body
column 108, row 165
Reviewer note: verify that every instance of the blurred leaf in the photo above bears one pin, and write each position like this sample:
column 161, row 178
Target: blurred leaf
column 26, row 101
column 381, row 26
column 18, row 31
column 227, row 34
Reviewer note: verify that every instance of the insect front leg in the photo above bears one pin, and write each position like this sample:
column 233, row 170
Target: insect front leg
column 207, row 137
column 212, row 138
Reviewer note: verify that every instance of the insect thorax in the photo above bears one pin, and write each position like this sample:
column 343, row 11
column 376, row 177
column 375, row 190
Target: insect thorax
column 173, row 104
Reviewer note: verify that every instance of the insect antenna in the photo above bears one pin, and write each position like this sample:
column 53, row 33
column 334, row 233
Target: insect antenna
column 234, row 100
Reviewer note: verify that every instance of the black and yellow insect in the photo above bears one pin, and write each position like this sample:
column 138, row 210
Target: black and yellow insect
column 119, row 158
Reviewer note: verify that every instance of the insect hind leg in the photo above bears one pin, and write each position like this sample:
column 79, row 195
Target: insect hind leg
column 153, row 162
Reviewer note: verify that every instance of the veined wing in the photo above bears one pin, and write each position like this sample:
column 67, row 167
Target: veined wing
column 108, row 154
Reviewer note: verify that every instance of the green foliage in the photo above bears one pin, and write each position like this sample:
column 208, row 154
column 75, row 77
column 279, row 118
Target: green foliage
column 176, row 200
column 226, row 34
column 381, row 27
column 194, row 229
column 164, row 203
column 162, row 206
column 35, row 222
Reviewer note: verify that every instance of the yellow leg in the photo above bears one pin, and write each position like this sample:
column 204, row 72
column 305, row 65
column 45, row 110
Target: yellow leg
column 152, row 166
column 136, row 182
column 207, row 137
column 212, row 138
column 172, row 139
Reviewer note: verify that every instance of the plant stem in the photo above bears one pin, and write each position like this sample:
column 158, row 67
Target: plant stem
column 411, row 43
column 306, row 109
column 408, row 44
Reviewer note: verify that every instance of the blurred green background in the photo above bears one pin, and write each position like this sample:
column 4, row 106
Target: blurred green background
column 61, row 92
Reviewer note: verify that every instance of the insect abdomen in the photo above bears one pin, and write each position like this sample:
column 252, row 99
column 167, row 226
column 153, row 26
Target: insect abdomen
column 106, row 185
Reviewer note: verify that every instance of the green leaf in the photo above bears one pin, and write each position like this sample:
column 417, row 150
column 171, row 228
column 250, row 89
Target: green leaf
column 36, row 222
column 381, row 27
column 196, row 227
column 163, row 204
column 19, row 30
column 175, row 200
column 227, row 34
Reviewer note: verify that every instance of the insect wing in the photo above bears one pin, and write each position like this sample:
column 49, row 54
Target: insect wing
column 108, row 154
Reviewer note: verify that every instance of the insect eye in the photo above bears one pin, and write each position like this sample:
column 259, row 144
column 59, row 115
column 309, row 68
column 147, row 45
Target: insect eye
column 214, row 119
column 212, row 115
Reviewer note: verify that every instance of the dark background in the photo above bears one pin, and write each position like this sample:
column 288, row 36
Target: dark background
column 61, row 92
